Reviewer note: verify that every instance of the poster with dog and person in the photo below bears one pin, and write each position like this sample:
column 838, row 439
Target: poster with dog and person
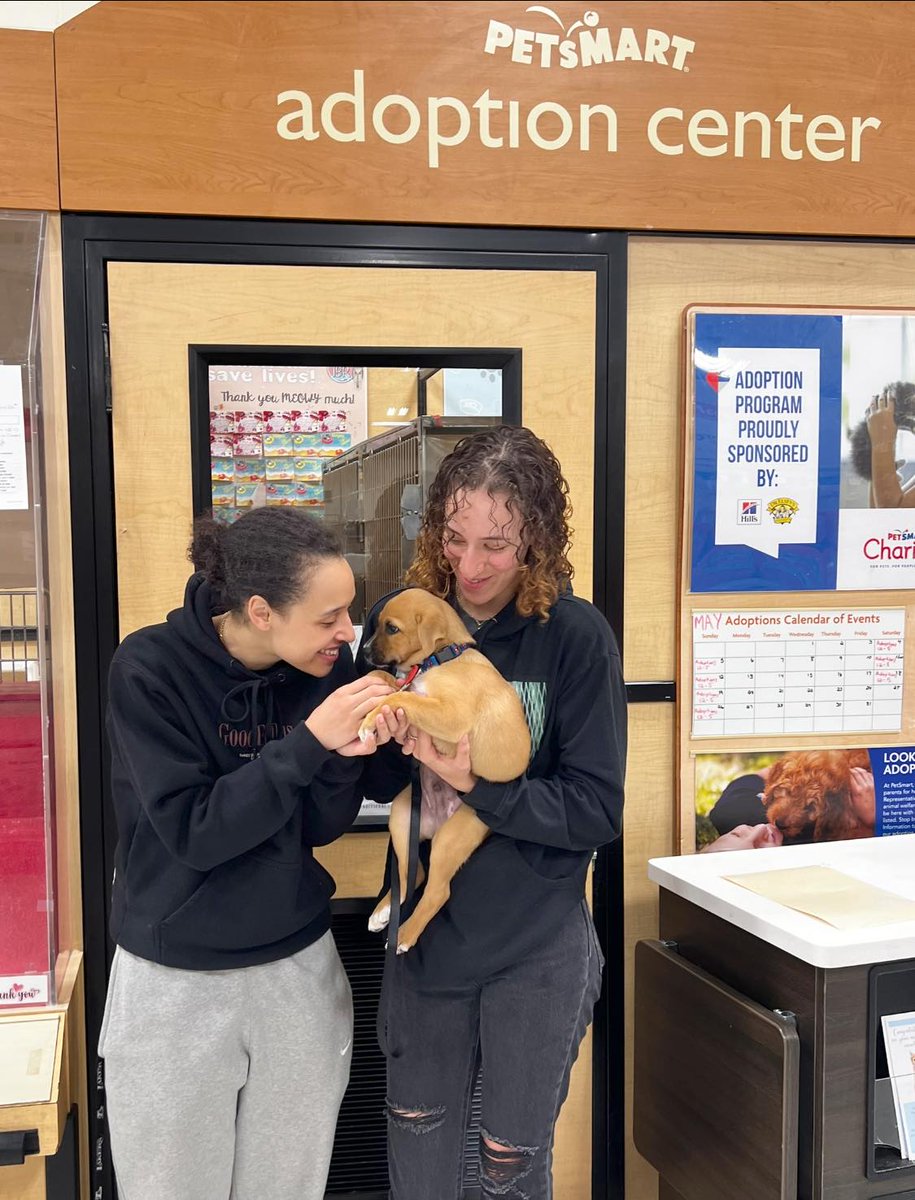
column 805, row 796
column 803, row 464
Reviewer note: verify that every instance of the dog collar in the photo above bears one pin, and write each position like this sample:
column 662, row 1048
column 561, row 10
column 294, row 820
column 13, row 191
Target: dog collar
column 446, row 654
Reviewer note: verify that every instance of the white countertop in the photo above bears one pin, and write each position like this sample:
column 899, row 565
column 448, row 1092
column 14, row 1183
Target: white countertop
column 887, row 863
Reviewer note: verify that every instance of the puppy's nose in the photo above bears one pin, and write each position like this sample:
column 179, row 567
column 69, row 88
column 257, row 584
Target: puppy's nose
column 368, row 651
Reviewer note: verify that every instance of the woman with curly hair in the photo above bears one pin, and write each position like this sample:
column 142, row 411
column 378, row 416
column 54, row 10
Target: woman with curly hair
column 506, row 976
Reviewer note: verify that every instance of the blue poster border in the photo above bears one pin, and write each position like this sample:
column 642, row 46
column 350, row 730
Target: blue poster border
column 737, row 568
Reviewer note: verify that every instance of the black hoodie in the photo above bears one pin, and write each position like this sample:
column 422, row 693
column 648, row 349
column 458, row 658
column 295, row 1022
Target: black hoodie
column 517, row 888
column 220, row 792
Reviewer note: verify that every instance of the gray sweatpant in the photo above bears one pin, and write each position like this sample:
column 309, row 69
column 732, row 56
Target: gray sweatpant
column 226, row 1084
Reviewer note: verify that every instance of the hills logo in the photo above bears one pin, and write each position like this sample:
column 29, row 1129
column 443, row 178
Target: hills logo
column 748, row 512
column 585, row 43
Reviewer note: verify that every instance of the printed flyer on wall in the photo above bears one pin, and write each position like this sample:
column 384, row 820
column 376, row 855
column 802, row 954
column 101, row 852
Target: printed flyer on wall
column 804, row 451
column 899, row 1040
column 794, row 797
column 777, row 671
column 273, row 428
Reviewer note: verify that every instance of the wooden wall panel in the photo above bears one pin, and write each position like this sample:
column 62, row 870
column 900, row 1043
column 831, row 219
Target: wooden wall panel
column 25, row 1182
column 28, row 121
column 357, row 864
column 158, row 309
column 665, row 276
column 389, row 387
column 652, row 475
column 572, row 1147
column 171, row 106
column 435, row 395
column 648, row 834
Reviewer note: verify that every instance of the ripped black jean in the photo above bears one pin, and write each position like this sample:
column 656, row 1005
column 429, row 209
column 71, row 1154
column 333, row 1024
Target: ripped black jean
column 523, row 1027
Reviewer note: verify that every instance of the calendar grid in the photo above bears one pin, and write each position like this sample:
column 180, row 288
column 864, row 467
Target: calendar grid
column 833, row 671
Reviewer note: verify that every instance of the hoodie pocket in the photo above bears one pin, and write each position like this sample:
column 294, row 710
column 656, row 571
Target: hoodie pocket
column 109, row 1000
column 247, row 903
column 594, row 950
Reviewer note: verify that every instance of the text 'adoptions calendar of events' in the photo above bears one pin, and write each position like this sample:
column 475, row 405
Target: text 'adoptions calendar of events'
column 797, row 671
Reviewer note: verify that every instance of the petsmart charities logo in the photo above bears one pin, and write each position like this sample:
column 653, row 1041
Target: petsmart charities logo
column 895, row 545
column 586, row 43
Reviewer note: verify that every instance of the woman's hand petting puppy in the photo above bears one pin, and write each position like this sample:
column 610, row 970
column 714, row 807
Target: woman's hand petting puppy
column 335, row 722
column 455, row 771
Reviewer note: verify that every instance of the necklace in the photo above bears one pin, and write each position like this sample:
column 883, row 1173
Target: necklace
column 221, row 629
column 474, row 624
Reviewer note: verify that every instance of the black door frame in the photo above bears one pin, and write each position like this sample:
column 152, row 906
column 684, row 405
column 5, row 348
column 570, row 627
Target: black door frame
column 90, row 242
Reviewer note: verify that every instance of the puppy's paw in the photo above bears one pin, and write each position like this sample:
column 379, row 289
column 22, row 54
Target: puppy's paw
column 380, row 918
column 408, row 934
column 367, row 728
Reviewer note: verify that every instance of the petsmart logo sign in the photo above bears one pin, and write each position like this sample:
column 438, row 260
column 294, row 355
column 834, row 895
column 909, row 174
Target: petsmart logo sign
column 586, row 43
column 494, row 120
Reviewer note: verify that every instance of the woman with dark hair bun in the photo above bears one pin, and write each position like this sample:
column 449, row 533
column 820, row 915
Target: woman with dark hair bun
column 507, row 974
column 232, row 725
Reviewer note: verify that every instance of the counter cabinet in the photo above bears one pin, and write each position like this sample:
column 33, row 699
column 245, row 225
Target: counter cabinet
column 826, row 1148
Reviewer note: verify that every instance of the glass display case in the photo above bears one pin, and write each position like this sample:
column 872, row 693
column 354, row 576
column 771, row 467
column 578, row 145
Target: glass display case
column 28, row 941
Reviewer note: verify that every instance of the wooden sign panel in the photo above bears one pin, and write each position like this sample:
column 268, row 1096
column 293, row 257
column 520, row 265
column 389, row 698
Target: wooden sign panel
column 728, row 116
column 28, row 128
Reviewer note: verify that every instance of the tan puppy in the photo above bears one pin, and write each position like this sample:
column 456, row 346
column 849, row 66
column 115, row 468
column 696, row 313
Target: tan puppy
column 462, row 694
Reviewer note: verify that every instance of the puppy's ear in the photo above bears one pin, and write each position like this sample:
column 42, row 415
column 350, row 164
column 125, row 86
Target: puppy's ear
column 431, row 630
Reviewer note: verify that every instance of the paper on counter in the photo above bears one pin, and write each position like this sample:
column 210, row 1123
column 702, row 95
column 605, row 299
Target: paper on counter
column 28, row 1051
column 830, row 896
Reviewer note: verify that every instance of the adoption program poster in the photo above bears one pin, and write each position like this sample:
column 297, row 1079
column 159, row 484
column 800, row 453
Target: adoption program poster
column 788, row 494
